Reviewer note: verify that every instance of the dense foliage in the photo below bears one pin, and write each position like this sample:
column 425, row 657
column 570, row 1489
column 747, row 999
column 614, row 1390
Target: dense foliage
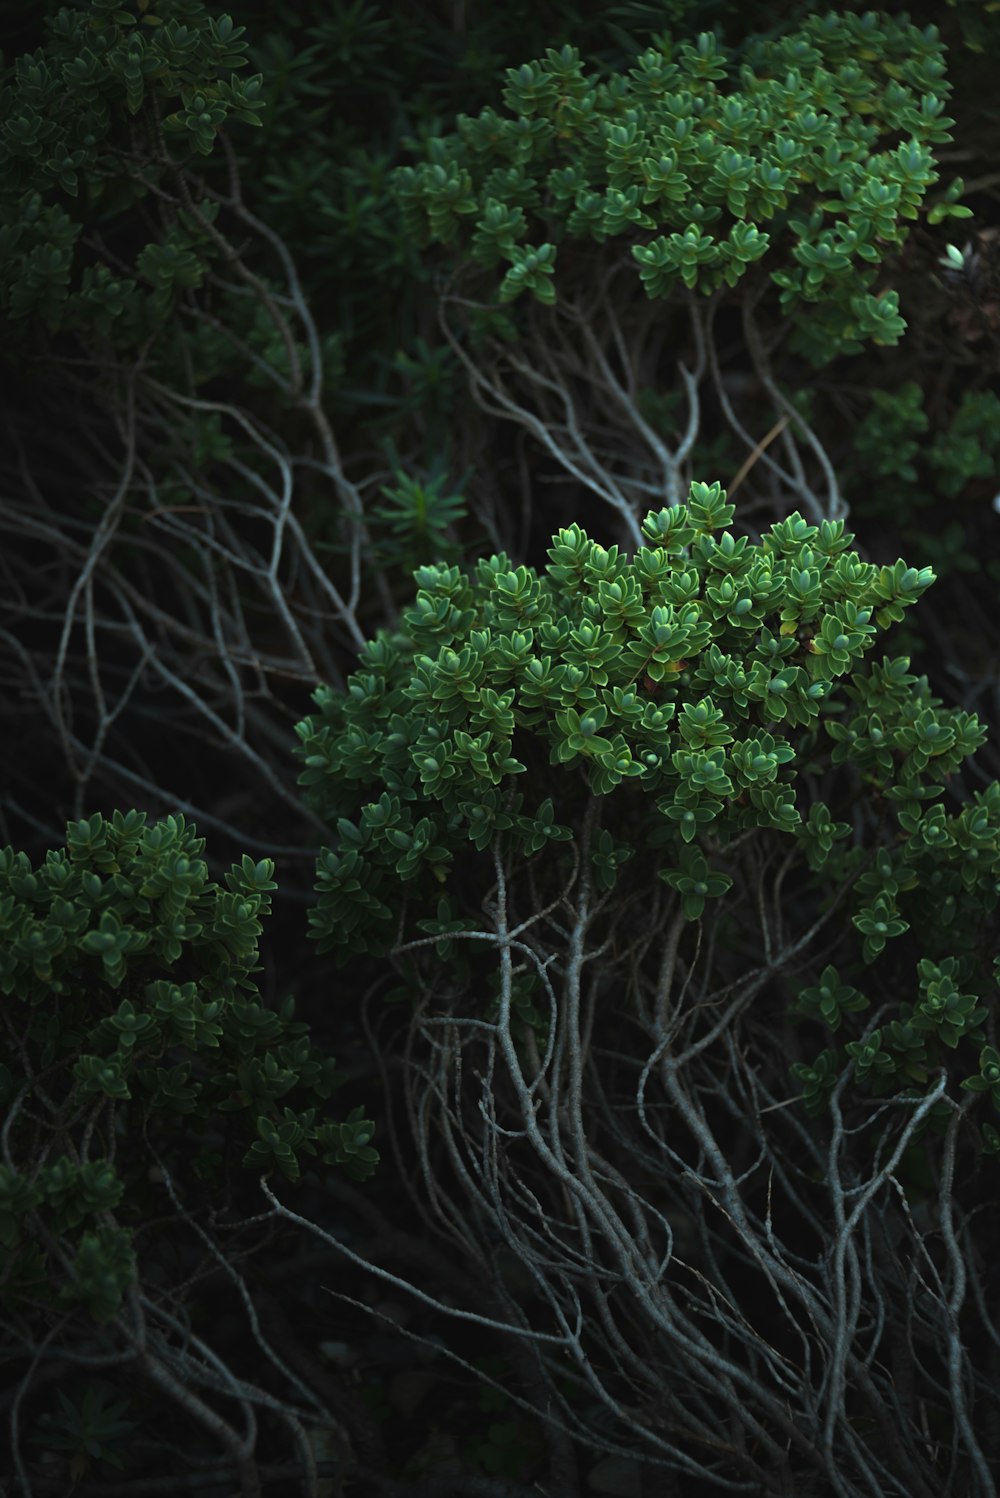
column 513, row 770
column 689, row 168
column 720, row 680
column 129, row 986
column 546, row 392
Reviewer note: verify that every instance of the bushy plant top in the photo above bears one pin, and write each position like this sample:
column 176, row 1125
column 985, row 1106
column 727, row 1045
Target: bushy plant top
column 72, row 117
column 794, row 161
column 689, row 671
column 128, row 977
column 709, row 685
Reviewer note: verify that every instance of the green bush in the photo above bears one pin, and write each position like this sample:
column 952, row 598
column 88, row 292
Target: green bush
column 702, row 177
column 130, row 1001
column 894, row 437
column 709, row 687
column 66, row 111
column 639, row 834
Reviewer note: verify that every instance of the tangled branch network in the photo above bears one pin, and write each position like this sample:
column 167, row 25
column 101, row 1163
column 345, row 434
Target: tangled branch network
column 685, row 1269
column 575, row 379
column 220, row 1415
column 207, row 592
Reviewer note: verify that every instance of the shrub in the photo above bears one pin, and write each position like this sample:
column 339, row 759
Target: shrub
column 687, row 167
column 124, row 293
column 63, row 109
column 129, row 989
column 718, row 680
column 700, row 673
column 603, row 818
column 138, row 1064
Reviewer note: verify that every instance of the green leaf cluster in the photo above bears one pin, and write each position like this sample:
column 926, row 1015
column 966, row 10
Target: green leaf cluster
column 86, row 1426
column 898, row 467
column 791, row 159
column 698, row 682
column 128, row 977
column 692, row 674
column 68, row 113
column 894, row 436
column 416, row 520
column 906, row 1050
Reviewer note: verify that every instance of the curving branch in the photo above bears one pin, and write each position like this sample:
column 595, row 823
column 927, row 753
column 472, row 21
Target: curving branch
column 697, row 1278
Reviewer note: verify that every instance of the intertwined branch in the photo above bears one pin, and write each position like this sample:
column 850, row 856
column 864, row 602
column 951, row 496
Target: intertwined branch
column 210, row 602
column 685, row 1270
column 697, row 1275
column 575, row 377
column 151, row 1346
